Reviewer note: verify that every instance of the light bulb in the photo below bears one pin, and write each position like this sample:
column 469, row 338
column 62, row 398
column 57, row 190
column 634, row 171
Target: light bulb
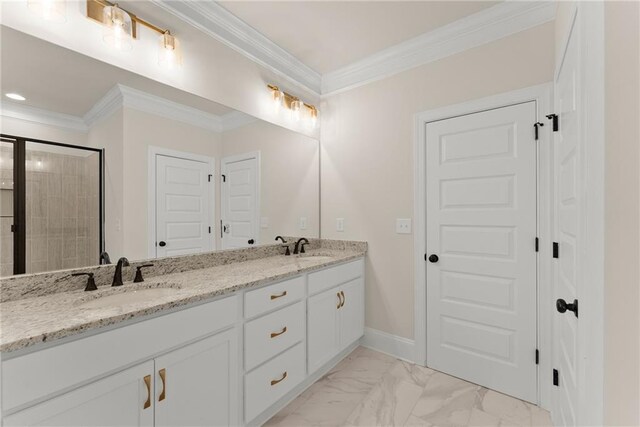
column 296, row 109
column 169, row 53
column 49, row 10
column 118, row 30
column 278, row 99
column 313, row 118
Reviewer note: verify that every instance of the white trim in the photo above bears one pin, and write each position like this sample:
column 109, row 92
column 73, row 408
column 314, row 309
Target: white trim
column 496, row 22
column 223, row 170
column 541, row 94
column 105, row 106
column 45, row 117
column 151, row 192
column 214, row 20
column 236, row 119
column 393, row 345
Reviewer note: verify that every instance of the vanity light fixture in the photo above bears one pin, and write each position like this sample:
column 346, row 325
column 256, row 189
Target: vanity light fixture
column 297, row 107
column 49, row 10
column 122, row 28
column 15, row 96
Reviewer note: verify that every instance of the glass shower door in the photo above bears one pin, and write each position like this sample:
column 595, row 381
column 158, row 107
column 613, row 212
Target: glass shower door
column 6, row 208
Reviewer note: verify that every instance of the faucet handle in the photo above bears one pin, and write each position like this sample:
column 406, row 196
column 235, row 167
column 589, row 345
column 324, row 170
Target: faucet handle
column 139, row 277
column 91, row 283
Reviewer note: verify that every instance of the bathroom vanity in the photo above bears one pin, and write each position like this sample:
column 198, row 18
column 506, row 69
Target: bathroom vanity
column 226, row 345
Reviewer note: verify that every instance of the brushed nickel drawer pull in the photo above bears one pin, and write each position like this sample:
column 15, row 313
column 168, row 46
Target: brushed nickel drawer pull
column 344, row 299
column 163, row 376
column 276, row 334
column 279, row 296
column 274, row 382
column 147, row 382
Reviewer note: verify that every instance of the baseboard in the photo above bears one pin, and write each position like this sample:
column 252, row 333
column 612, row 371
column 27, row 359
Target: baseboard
column 393, row 345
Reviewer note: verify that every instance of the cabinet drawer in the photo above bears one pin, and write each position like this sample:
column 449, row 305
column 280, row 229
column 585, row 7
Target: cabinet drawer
column 273, row 296
column 44, row 373
column 271, row 381
column 267, row 336
column 334, row 276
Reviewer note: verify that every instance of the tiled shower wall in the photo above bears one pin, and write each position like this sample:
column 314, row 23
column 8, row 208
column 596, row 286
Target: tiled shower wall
column 62, row 210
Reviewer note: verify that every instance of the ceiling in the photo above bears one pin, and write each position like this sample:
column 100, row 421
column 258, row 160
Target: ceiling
column 57, row 79
column 328, row 35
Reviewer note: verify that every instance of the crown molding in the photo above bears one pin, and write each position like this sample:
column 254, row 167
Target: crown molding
column 105, row 107
column 45, row 117
column 236, row 119
column 217, row 22
column 501, row 20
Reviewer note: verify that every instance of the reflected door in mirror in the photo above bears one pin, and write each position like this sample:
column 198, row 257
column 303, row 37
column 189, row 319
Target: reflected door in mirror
column 240, row 201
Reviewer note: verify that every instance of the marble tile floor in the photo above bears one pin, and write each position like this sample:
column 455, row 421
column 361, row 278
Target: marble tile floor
column 369, row 388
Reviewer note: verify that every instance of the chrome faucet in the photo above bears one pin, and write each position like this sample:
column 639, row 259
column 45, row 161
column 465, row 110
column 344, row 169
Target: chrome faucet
column 117, row 276
column 299, row 248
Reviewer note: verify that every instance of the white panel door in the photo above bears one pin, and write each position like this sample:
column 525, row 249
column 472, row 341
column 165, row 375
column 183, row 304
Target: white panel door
column 240, row 201
column 481, row 224
column 197, row 385
column 567, row 149
column 122, row 399
column 183, row 206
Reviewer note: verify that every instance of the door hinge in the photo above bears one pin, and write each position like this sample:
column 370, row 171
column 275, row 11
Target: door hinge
column 537, row 356
column 537, row 244
column 209, row 177
column 221, row 236
column 537, row 125
column 224, row 178
column 209, row 230
column 555, row 377
column 425, row 257
column 556, row 250
column 555, row 119
column 13, row 229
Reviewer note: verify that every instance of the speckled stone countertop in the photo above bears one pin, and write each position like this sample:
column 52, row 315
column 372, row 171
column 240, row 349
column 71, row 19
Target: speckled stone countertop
column 29, row 321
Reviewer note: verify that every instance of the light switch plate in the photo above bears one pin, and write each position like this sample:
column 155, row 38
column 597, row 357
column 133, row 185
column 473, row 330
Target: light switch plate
column 340, row 224
column 303, row 223
column 403, row 225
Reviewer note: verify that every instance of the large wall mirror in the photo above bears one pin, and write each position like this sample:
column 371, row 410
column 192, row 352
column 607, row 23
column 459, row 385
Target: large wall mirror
column 96, row 158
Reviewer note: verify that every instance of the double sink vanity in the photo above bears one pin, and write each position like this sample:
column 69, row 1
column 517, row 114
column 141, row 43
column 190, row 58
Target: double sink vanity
column 224, row 338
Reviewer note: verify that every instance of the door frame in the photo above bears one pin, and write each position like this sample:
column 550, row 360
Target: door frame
column 542, row 95
column 223, row 170
column 151, row 192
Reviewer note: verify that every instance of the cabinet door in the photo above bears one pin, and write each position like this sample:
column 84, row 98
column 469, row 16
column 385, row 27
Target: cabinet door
column 352, row 312
column 197, row 385
column 322, row 324
column 117, row 400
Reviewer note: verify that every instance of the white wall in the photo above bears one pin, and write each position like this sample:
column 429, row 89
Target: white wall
column 367, row 156
column 622, row 214
column 289, row 176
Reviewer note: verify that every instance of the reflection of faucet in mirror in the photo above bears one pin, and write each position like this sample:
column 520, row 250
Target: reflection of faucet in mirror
column 299, row 248
column 284, row 245
column 117, row 276
column 104, row 258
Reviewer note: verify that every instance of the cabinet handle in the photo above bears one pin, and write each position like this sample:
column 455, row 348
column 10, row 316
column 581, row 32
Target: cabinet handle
column 274, row 382
column 339, row 300
column 147, row 381
column 276, row 334
column 344, row 299
column 279, row 296
column 163, row 376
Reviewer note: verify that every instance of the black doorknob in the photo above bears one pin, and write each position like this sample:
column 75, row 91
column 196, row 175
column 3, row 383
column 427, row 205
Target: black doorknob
column 251, row 241
column 162, row 244
column 433, row 258
column 562, row 306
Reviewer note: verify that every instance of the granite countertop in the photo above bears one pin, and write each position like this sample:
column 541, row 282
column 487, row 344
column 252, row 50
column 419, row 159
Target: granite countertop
column 29, row 321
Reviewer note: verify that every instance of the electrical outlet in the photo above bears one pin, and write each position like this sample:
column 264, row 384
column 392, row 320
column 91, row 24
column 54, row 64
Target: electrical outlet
column 403, row 225
column 264, row 222
column 340, row 224
column 303, row 223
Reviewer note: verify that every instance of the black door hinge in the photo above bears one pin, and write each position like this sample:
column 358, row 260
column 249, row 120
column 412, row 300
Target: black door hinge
column 537, row 356
column 224, row 178
column 209, row 177
column 554, row 117
column 209, row 230
column 537, row 244
column 425, row 257
column 555, row 377
column 13, row 229
column 556, row 250
column 537, row 125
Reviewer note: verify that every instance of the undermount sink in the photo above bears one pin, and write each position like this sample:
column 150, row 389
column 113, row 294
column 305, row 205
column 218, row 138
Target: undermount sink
column 127, row 298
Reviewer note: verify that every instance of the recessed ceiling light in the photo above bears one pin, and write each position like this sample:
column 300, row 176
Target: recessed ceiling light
column 15, row 96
